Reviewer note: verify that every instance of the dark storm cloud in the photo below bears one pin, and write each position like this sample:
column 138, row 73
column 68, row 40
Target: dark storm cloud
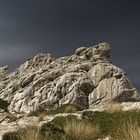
column 28, row 27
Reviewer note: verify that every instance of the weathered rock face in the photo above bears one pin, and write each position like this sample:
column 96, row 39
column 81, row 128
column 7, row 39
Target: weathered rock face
column 111, row 85
column 87, row 78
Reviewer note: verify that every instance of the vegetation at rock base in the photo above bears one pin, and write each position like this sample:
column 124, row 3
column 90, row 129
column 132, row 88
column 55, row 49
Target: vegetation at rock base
column 72, row 130
column 28, row 133
column 113, row 107
column 81, row 130
column 110, row 123
column 67, row 108
column 10, row 136
column 61, row 121
column 129, row 130
column 119, row 125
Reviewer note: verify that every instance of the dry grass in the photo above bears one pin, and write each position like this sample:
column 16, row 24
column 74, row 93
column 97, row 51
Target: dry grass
column 80, row 130
column 129, row 130
column 32, row 133
column 70, row 109
column 113, row 107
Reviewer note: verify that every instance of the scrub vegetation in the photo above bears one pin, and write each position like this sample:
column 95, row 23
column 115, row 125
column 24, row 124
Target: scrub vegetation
column 118, row 125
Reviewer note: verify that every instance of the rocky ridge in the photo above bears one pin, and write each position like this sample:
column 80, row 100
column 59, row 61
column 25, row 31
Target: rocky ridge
column 87, row 78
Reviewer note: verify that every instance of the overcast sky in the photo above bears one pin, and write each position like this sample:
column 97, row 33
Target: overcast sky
column 28, row 27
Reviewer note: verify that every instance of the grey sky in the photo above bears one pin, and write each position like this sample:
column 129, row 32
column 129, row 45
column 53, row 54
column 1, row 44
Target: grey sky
column 28, row 27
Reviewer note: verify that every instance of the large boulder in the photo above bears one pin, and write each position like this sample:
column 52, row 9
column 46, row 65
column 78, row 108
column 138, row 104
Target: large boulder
column 111, row 85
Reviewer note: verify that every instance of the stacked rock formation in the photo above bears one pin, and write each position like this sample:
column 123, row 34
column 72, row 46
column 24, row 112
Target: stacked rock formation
column 87, row 78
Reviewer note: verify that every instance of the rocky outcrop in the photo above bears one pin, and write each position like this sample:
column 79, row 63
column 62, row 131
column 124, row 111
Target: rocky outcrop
column 87, row 78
